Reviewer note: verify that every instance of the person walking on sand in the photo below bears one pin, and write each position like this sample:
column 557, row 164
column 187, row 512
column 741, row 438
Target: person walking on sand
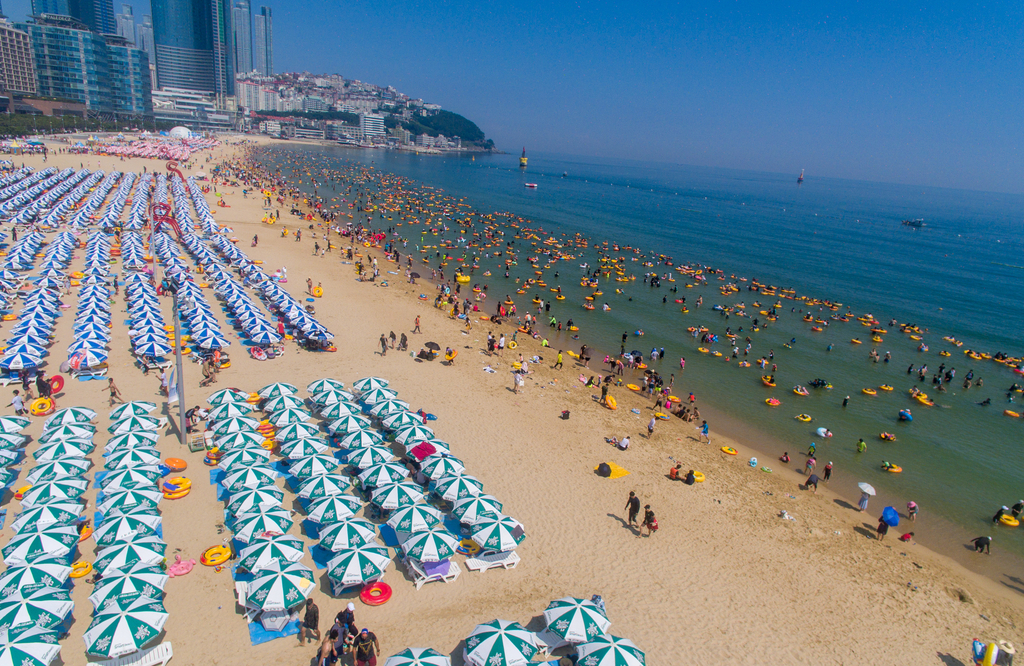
column 882, row 529
column 633, row 505
column 310, row 622
column 417, row 328
column 366, row 648
column 163, row 382
column 650, row 427
column 650, row 522
column 704, row 432
column 383, row 345
column 558, row 361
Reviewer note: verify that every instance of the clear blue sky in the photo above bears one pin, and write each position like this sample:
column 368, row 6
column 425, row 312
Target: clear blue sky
column 907, row 92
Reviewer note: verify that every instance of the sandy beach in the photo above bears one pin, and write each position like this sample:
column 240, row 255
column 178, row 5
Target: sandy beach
column 724, row 580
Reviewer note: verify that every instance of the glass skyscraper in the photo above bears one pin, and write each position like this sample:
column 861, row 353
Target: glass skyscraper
column 98, row 15
column 192, row 39
column 242, row 29
column 263, row 43
column 104, row 72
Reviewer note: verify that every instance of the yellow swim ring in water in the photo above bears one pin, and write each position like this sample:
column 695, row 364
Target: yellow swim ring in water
column 803, row 417
column 1009, row 521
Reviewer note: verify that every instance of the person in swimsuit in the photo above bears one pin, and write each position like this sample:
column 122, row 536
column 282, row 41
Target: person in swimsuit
column 650, row 522
column 328, row 655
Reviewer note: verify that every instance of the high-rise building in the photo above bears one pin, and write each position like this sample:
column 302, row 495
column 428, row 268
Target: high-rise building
column 183, row 39
column 17, row 67
column 144, row 37
column 97, row 14
column 223, row 50
column 192, row 39
column 62, row 7
column 263, row 43
column 241, row 20
column 126, row 23
column 104, row 72
column 372, row 125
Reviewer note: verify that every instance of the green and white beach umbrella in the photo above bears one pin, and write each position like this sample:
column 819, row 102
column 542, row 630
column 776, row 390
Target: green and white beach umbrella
column 250, row 500
column 300, row 448
column 381, row 474
column 361, row 439
column 28, row 646
column 323, row 385
column 289, row 416
column 131, row 478
column 431, row 545
column 136, row 407
column 132, row 458
column 68, row 488
column 131, row 439
column 233, row 440
column 29, row 577
column 233, row 424
column 68, row 431
column 323, row 485
column 247, row 526
column 262, row 551
column 610, row 651
column 369, row 383
column 129, row 499
column 68, row 415
column 46, row 608
column 40, row 517
column 370, row 455
column 253, row 476
column 6, row 476
column 227, row 395
column 454, row 488
column 350, row 533
column 229, row 410
column 314, row 465
column 575, row 620
column 280, row 586
column 500, row 643
column 122, row 628
column 353, row 566
column 147, row 581
column 126, row 527
column 13, row 424
column 403, row 419
column 132, row 423
column 413, row 433
column 145, row 551
column 58, row 469
column 10, row 441
column 418, row 657
column 236, row 458
column 382, row 409
column 374, row 396
column 128, row 446
column 283, row 402
column 346, row 424
column 471, row 510
column 338, row 410
column 499, row 534
column 415, row 518
column 68, row 448
column 333, row 508
column 397, row 495
column 437, row 466
column 296, row 431
column 440, row 447
column 276, row 390
column 331, row 397
column 31, row 546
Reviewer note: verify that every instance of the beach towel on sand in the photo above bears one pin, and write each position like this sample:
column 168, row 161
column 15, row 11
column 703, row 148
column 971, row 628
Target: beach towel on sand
column 616, row 471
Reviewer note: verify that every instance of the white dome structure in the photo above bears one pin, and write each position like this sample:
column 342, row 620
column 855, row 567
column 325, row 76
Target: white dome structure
column 181, row 133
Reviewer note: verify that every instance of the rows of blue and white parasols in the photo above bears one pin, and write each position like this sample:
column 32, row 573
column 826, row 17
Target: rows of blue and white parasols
column 92, row 318
column 111, row 216
column 138, row 215
column 147, row 328
column 31, row 335
column 194, row 309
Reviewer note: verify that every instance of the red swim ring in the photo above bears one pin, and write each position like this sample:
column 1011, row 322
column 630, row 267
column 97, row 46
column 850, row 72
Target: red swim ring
column 377, row 594
column 56, row 383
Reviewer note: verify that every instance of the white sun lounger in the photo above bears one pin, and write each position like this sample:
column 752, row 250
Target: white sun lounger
column 507, row 560
column 154, row 656
column 420, row 577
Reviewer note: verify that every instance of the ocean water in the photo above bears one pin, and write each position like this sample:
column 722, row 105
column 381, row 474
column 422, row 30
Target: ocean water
column 960, row 275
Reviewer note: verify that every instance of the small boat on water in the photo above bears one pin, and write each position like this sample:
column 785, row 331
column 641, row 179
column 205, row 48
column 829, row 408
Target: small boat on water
column 800, row 178
column 917, row 224
column 531, row 186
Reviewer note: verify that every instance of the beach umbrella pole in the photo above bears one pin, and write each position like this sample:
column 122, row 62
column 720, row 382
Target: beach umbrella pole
column 180, row 380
